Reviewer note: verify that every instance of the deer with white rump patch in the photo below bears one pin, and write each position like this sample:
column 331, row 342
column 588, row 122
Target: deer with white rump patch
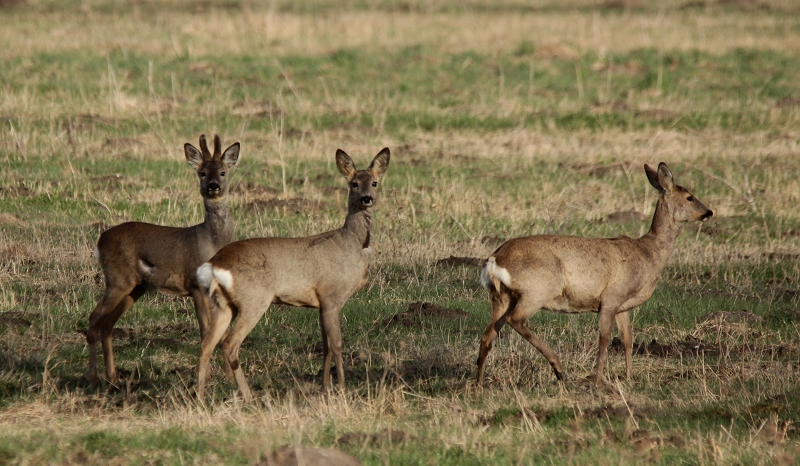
column 138, row 257
column 571, row 274
column 321, row 271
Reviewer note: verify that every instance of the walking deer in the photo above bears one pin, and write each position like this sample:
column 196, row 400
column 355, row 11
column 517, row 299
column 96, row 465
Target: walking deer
column 138, row 257
column 571, row 274
column 321, row 271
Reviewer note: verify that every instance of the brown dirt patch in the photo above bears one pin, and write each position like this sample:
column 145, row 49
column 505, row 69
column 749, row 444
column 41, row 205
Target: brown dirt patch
column 688, row 348
column 16, row 191
column 8, row 219
column 419, row 311
column 16, row 319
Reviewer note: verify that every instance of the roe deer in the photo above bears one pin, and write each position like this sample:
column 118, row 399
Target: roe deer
column 321, row 271
column 571, row 274
column 138, row 257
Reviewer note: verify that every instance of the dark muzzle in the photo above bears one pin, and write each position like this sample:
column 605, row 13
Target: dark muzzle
column 213, row 188
column 367, row 200
column 707, row 215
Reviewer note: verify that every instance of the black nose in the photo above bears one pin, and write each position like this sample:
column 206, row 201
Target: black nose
column 367, row 200
column 707, row 215
column 213, row 186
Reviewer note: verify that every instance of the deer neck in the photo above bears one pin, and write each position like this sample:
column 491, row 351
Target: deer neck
column 358, row 225
column 218, row 221
column 663, row 232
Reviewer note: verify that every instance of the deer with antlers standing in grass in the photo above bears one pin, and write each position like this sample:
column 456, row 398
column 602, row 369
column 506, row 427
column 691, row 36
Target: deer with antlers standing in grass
column 321, row 271
column 137, row 257
column 571, row 274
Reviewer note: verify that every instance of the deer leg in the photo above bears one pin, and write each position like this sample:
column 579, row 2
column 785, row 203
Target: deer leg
column 501, row 303
column 607, row 315
column 200, row 299
column 111, row 298
column 219, row 320
column 623, row 320
column 247, row 318
column 524, row 310
column 107, row 330
column 331, row 325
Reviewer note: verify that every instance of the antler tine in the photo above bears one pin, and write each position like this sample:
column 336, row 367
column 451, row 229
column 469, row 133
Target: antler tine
column 217, row 147
column 204, row 146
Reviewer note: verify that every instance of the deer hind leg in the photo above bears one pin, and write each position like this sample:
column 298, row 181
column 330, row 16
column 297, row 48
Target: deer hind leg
column 219, row 318
column 111, row 299
column 107, row 331
column 501, row 303
column 524, row 310
column 248, row 316
column 623, row 320
column 330, row 320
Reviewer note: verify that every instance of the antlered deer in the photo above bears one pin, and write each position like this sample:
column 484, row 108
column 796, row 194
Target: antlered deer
column 137, row 257
column 321, row 271
column 571, row 274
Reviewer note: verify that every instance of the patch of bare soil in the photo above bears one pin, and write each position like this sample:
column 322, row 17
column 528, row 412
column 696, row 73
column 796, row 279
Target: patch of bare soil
column 15, row 191
column 117, row 333
column 300, row 456
column 688, row 348
column 383, row 437
column 419, row 311
column 296, row 205
column 626, row 216
column 455, row 261
column 8, row 219
column 16, row 319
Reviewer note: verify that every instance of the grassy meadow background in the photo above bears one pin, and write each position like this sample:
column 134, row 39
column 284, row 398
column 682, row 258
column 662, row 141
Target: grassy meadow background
column 504, row 118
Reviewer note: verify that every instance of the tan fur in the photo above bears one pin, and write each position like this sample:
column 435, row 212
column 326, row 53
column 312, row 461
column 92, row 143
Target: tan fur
column 609, row 276
column 138, row 257
column 321, row 271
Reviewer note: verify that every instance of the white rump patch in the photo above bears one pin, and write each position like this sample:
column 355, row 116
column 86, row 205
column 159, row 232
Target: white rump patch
column 492, row 270
column 205, row 275
column 224, row 278
column 96, row 254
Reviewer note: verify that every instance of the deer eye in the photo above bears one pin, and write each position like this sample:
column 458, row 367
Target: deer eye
column 353, row 184
column 221, row 173
column 374, row 184
column 202, row 174
column 690, row 198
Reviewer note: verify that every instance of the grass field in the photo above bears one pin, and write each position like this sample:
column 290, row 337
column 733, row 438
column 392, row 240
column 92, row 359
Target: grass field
column 504, row 119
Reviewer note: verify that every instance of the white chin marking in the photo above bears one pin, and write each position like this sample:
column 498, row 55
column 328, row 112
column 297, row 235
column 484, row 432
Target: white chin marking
column 205, row 275
column 224, row 278
column 492, row 270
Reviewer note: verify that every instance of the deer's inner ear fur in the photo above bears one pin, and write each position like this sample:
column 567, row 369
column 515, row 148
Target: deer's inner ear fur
column 345, row 164
column 193, row 156
column 380, row 163
column 652, row 177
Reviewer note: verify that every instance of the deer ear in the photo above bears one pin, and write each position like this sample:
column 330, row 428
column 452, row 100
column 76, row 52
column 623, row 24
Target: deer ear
column 231, row 155
column 652, row 176
column 345, row 164
column 193, row 156
column 665, row 177
column 380, row 163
